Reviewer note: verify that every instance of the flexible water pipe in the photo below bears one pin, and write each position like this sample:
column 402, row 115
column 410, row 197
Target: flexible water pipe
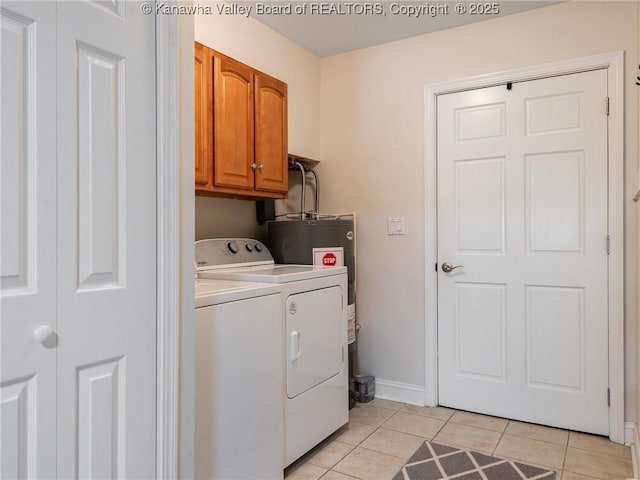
column 317, row 203
column 304, row 187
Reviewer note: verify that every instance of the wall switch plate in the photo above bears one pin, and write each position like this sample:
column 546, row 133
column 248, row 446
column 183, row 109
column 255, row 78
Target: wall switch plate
column 395, row 226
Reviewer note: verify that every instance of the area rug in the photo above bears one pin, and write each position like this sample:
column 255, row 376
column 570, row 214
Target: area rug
column 440, row 462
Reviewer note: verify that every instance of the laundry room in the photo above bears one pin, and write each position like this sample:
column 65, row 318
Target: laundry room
column 312, row 240
column 363, row 114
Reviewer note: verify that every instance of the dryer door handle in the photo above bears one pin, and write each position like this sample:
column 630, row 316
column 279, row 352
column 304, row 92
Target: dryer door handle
column 294, row 345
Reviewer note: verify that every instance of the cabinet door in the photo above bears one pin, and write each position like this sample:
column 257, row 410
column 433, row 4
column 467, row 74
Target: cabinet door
column 203, row 117
column 233, row 124
column 271, row 134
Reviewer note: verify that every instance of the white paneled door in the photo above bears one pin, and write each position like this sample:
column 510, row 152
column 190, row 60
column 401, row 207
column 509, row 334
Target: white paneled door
column 522, row 216
column 78, row 386
column 28, row 235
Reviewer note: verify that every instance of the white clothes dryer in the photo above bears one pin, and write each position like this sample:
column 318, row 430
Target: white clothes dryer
column 239, row 411
column 313, row 312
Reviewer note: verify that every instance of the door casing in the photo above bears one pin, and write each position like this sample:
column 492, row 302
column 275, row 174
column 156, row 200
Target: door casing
column 175, row 239
column 614, row 64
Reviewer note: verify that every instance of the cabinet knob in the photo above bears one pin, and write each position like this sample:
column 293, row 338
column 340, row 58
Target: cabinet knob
column 261, row 167
column 253, row 166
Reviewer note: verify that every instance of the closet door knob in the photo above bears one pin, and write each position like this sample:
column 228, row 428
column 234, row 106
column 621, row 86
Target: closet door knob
column 261, row 167
column 45, row 336
column 253, row 166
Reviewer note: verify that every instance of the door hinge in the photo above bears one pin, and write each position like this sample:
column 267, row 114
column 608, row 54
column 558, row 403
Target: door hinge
column 608, row 397
column 608, row 244
column 607, row 106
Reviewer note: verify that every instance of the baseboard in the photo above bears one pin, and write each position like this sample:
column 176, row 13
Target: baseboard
column 629, row 433
column 635, row 448
column 400, row 392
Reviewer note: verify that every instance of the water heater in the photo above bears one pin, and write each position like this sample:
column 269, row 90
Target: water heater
column 293, row 241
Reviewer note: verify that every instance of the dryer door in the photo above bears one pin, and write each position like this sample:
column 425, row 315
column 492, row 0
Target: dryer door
column 315, row 336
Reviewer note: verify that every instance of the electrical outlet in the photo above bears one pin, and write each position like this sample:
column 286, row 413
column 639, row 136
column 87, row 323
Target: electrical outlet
column 395, row 226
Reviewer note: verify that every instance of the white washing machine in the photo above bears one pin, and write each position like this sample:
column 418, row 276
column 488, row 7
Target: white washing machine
column 239, row 411
column 313, row 309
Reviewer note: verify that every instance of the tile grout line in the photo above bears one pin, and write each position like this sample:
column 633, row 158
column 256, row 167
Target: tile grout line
column 338, row 461
column 493, row 454
column 566, row 453
column 443, row 425
column 404, row 460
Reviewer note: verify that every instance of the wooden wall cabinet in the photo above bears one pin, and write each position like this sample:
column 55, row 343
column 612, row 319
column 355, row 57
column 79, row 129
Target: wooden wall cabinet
column 241, row 129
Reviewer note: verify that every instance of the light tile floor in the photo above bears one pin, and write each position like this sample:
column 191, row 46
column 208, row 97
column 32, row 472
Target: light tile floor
column 382, row 435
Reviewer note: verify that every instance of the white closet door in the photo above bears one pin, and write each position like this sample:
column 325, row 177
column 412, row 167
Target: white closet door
column 106, row 240
column 78, row 240
column 28, row 236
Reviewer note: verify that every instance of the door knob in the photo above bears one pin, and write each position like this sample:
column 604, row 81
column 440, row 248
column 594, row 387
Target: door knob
column 253, row 166
column 261, row 167
column 45, row 336
column 447, row 267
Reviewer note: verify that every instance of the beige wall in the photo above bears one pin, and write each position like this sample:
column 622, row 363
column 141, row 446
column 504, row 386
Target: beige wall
column 251, row 42
column 372, row 147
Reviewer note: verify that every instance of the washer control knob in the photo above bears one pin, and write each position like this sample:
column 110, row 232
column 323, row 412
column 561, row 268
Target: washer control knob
column 233, row 247
column 249, row 247
column 258, row 247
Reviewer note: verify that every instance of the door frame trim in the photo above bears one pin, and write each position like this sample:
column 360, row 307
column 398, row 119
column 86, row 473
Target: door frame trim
column 167, row 242
column 174, row 242
column 614, row 64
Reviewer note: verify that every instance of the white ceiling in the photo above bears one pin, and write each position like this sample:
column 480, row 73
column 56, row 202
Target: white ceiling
column 329, row 34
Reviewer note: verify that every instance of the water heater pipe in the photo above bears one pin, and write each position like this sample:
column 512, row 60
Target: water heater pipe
column 304, row 187
column 317, row 204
